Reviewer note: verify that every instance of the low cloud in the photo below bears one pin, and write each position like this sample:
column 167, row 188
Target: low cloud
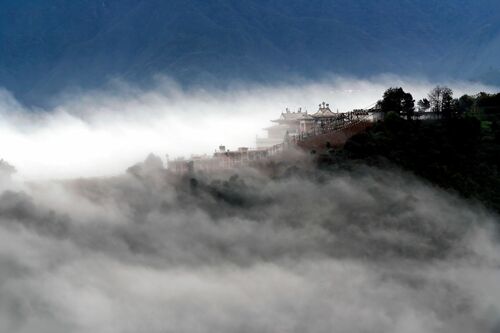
column 100, row 133
column 351, row 251
column 364, row 250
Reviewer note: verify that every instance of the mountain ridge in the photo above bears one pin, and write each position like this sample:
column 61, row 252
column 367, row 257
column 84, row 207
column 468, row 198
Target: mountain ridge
column 84, row 43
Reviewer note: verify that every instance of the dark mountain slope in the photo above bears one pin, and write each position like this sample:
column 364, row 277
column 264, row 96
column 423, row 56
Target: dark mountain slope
column 50, row 45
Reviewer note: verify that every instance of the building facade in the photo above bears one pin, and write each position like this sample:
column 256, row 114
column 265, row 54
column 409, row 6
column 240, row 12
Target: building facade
column 291, row 124
column 299, row 129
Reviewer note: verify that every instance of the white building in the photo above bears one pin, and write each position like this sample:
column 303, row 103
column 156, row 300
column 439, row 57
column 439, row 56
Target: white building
column 295, row 123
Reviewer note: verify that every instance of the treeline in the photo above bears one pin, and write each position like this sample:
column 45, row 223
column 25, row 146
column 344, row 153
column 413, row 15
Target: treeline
column 441, row 103
column 459, row 149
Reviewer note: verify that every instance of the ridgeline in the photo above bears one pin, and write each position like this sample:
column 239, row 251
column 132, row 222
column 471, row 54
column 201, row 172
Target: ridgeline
column 457, row 151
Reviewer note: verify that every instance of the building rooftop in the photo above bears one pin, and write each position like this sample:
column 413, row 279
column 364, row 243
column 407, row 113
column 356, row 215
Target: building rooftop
column 324, row 111
column 292, row 116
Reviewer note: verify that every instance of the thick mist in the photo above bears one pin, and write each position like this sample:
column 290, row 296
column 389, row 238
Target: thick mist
column 289, row 248
column 365, row 250
column 98, row 133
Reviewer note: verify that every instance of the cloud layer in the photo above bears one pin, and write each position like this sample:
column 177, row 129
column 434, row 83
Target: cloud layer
column 102, row 132
column 361, row 251
column 364, row 250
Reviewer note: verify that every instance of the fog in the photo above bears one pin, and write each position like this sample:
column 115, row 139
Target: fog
column 356, row 249
column 365, row 250
column 99, row 133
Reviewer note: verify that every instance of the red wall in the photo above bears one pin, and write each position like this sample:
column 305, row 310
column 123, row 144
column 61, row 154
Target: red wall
column 337, row 139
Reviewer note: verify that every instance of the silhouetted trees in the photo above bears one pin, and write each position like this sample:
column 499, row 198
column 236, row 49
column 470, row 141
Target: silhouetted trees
column 398, row 101
column 424, row 105
column 441, row 101
column 488, row 104
column 465, row 104
column 459, row 150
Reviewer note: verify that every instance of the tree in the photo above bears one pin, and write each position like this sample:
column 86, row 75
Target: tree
column 449, row 106
column 441, row 99
column 423, row 105
column 408, row 106
column 465, row 104
column 151, row 166
column 398, row 101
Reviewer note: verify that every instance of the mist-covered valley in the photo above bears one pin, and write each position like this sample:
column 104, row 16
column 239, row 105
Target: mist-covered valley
column 131, row 199
column 89, row 244
column 300, row 249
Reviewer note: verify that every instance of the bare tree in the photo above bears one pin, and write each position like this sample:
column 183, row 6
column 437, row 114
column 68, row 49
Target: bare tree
column 439, row 99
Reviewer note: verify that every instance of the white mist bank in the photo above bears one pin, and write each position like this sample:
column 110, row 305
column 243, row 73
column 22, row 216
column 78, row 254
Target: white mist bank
column 103, row 132
column 359, row 251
